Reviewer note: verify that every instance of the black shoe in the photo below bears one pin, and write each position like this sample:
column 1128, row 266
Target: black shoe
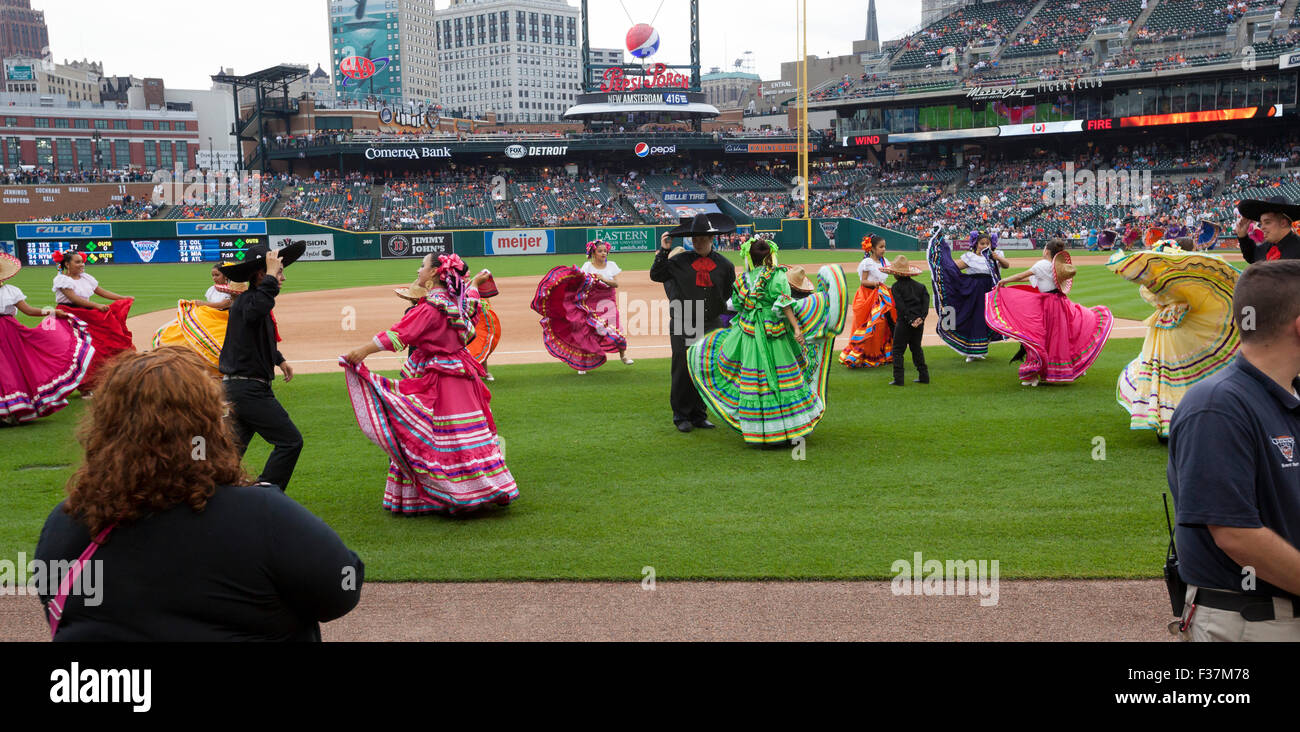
column 705, row 424
column 922, row 380
column 684, row 427
column 896, row 382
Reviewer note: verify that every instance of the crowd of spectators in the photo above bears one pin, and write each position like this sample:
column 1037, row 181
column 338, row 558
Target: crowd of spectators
column 42, row 176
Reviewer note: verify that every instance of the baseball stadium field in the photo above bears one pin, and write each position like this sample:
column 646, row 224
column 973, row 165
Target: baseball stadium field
column 1050, row 481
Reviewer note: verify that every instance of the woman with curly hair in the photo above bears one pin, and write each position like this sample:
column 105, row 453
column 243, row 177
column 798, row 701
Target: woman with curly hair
column 436, row 423
column 73, row 289
column 189, row 550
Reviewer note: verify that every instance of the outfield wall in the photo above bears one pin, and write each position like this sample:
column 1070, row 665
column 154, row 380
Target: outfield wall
column 158, row 241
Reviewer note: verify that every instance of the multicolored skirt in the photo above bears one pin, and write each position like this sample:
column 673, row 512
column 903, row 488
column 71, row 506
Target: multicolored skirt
column 580, row 319
column 41, row 366
column 437, row 429
column 773, row 391
column 487, row 333
column 959, row 298
column 1062, row 339
column 197, row 327
column 1190, row 337
column 871, row 342
column 108, row 333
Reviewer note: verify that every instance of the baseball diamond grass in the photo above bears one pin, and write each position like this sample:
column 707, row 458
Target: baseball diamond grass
column 973, row 466
column 158, row 287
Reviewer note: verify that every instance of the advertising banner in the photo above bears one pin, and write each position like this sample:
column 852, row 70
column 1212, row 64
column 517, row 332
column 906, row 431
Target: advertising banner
column 219, row 228
column 768, row 148
column 320, row 247
column 526, row 241
column 404, row 246
column 361, row 33
column 626, row 239
column 64, row 231
column 686, row 197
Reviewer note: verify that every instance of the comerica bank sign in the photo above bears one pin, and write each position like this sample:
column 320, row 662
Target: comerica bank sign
column 409, row 153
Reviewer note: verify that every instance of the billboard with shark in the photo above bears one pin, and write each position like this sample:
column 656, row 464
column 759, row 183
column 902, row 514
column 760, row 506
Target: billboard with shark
column 364, row 65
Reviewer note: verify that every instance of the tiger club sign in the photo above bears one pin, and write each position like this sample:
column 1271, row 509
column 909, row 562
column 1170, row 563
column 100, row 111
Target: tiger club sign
column 659, row 77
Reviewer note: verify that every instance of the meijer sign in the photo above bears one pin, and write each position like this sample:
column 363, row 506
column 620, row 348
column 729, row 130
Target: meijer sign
column 530, row 241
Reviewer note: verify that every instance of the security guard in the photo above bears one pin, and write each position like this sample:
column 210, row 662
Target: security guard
column 1234, row 472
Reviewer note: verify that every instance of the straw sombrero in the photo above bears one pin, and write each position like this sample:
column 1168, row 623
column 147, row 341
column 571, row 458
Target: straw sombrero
column 9, row 266
column 676, row 251
column 799, row 280
column 1064, row 271
column 233, row 288
column 900, row 267
column 412, row 292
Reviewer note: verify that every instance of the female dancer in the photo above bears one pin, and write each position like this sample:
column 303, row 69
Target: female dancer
column 1061, row 338
column 765, row 375
column 1190, row 337
column 487, row 324
column 73, row 289
column 959, row 290
column 579, row 309
column 200, row 325
column 39, row 367
column 871, row 338
column 436, row 423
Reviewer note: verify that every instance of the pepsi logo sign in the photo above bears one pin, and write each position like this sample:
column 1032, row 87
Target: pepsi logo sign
column 643, row 41
column 645, row 150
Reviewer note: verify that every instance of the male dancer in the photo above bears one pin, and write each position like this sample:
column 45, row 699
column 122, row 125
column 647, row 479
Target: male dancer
column 1276, row 217
column 698, row 283
column 249, row 358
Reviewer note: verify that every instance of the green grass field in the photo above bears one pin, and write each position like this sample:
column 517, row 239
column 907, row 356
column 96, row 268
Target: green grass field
column 973, row 466
column 158, row 287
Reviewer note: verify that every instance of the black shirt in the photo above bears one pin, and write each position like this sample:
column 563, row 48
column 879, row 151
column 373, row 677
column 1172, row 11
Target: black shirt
column 1288, row 248
column 254, row 565
column 1233, row 462
column 250, row 348
column 911, row 298
column 679, row 272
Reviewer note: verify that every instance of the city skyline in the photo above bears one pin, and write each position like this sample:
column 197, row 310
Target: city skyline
column 259, row 39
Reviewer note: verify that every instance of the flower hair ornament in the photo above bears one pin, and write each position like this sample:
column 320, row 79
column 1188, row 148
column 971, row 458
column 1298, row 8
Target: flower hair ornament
column 592, row 246
column 451, row 272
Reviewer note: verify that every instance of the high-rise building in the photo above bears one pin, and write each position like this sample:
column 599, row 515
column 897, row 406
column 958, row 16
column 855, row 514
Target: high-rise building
column 728, row 89
column 22, row 30
column 79, row 81
column 873, row 27
column 383, row 50
column 932, row 10
column 519, row 58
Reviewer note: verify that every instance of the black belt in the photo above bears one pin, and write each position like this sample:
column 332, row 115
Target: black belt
column 245, row 378
column 1252, row 607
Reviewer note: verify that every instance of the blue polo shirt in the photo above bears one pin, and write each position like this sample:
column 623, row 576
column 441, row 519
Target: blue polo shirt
column 1233, row 461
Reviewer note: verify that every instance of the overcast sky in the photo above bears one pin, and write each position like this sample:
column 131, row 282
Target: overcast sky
column 185, row 42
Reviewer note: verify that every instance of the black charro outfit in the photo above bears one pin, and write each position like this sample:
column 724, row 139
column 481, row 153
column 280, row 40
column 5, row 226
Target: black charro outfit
column 693, row 284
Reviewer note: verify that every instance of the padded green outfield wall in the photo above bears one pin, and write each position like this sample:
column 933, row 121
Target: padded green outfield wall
column 131, row 241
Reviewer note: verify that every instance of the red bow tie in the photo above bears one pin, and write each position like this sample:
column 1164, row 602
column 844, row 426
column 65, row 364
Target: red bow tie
column 703, row 266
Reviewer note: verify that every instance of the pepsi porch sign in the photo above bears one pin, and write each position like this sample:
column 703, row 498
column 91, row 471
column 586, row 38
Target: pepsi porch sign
column 523, row 241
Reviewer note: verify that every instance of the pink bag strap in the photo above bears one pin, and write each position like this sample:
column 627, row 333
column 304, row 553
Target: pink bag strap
column 55, row 608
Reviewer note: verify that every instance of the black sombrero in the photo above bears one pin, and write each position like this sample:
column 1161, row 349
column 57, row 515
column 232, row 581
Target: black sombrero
column 703, row 225
column 1253, row 209
column 255, row 260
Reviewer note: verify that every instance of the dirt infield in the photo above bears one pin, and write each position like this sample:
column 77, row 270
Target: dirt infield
column 317, row 327
column 1036, row 610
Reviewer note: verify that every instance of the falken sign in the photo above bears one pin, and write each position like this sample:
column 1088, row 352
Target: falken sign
column 64, row 231
column 408, row 153
column 220, row 228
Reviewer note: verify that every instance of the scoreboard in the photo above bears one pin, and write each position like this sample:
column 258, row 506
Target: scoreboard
column 139, row 251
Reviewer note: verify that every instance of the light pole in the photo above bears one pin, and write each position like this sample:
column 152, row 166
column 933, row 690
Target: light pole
column 211, row 153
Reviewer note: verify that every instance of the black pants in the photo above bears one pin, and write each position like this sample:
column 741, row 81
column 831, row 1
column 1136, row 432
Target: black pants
column 905, row 337
column 256, row 412
column 685, row 399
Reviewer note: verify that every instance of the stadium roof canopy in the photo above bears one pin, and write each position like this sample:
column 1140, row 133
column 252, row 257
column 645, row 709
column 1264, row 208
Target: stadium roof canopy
column 274, row 75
